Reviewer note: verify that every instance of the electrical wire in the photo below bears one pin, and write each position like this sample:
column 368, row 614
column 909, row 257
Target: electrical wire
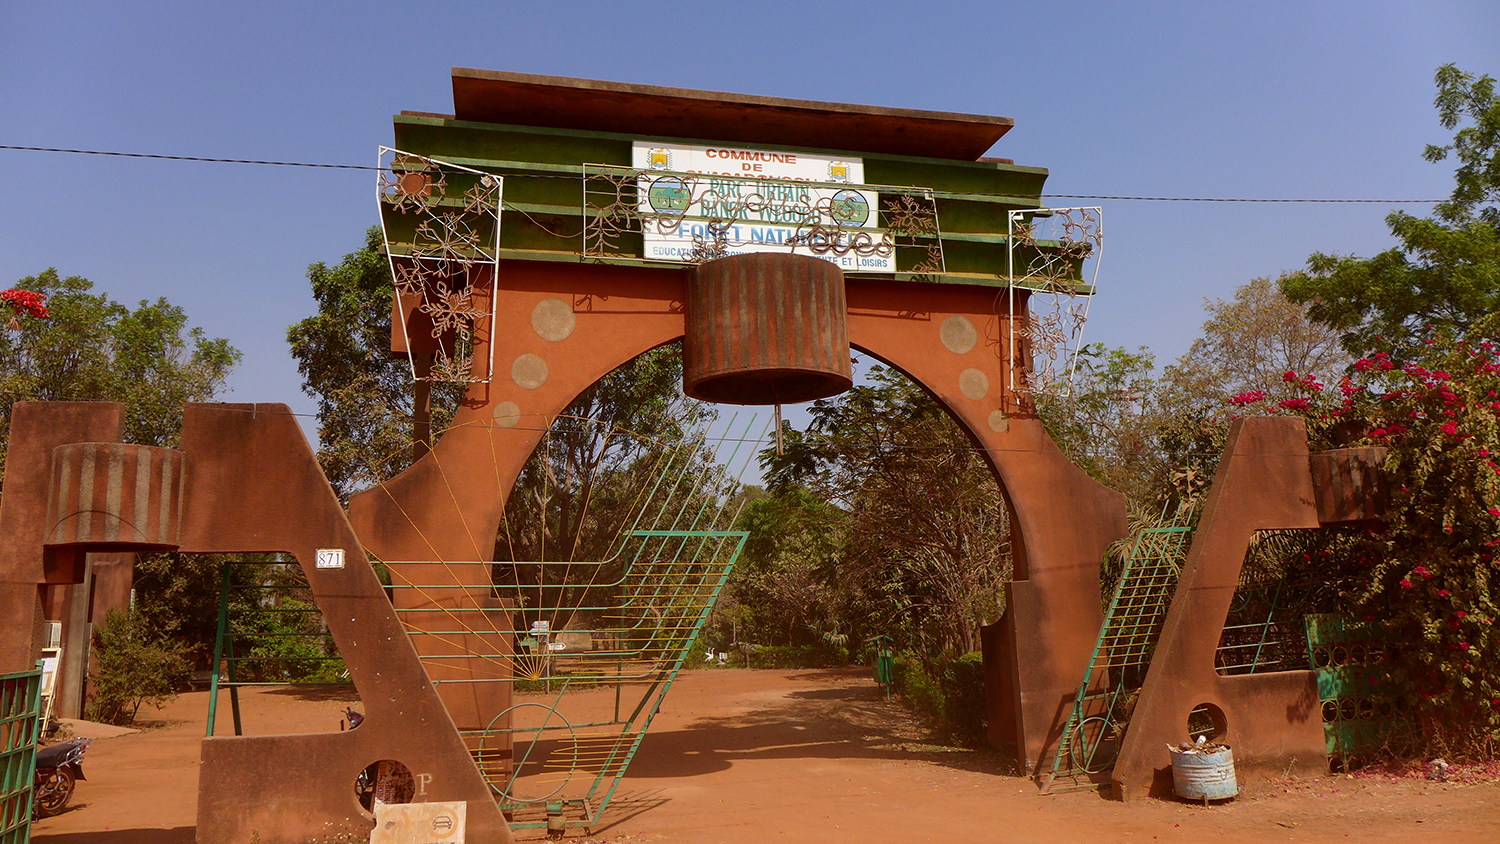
column 571, row 176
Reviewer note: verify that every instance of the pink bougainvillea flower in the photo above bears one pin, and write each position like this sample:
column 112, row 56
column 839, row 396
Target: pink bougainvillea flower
column 1296, row 404
column 1461, row 614
column 1443, row 593
column 1405, row 583
column 1421, row 571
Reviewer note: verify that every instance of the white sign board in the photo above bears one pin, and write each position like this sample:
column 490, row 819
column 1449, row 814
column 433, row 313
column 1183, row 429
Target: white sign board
column 419, row 823
column 330, row 558
column 756, row 196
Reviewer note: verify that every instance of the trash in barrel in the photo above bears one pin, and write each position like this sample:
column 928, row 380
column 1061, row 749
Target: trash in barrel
column 1203, row 771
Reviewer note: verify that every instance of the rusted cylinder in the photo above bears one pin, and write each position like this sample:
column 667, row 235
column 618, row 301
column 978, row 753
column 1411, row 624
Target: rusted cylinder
column 765, row 328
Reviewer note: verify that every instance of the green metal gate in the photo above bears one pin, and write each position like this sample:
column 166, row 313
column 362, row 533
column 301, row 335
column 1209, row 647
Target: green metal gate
column 1351, row 662
column 20, row 708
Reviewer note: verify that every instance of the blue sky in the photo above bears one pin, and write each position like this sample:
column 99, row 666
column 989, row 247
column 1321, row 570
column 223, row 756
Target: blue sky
column 1264, row 100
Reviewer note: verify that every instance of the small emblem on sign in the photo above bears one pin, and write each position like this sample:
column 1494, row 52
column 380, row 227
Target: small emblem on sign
column 330, row 558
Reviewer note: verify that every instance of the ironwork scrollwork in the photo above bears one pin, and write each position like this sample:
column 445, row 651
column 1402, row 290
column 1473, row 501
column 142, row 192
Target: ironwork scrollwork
column 621, row 202
column 438, row 259
column 1048, row 252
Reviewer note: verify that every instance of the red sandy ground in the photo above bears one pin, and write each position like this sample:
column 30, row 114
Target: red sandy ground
column 752, row 756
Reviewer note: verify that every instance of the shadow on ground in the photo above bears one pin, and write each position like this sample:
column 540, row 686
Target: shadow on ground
column 838, row 722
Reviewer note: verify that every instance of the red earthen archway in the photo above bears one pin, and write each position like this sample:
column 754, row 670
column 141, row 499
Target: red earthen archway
column 561, row 327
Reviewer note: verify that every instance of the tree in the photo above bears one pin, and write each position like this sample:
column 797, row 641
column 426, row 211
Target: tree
column 1250, row 342
column 594, row 459
column 1156, row 438
column 365, row 396
column 1107, row 421
column 926, row 549
column 85, row 346
column 1445, row 272
column 131, row 665
column 784, row 586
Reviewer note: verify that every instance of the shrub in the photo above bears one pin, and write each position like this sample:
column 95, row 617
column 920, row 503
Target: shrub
column 799, row 656
column 949, row 689
column 132, row 666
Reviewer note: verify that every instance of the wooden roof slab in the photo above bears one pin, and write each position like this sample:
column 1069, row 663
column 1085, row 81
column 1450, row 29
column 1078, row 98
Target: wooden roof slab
column 522, row 99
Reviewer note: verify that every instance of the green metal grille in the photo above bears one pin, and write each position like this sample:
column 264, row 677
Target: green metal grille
column 1127, row 638
column 1351, row 662
column 20, row 708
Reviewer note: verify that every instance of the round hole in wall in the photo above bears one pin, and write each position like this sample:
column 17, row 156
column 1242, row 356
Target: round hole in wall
column 385, row 781
column 1207, row 720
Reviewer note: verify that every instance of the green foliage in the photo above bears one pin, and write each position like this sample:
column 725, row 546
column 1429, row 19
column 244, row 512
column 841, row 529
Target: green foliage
column 364, row 394
column 1445, row 272
column 1477, row 146
column 783, row 585
column 1156, row 438
column 132, row 664
column 278, row 631
column 91, row 348
column 799, row 656
column 949, row 688
column 284, row 643
column 924, row 552
column 177, row 595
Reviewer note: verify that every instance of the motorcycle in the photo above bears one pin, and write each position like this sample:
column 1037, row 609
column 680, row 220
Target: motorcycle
column 58, row 768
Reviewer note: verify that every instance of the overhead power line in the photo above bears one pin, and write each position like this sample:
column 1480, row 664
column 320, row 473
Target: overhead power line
column 1045, row 195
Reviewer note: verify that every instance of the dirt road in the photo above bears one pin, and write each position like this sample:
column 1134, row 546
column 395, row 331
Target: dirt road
column 741, row 756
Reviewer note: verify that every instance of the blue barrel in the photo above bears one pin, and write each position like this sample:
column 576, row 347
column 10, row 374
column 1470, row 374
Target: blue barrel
column 1204, row 776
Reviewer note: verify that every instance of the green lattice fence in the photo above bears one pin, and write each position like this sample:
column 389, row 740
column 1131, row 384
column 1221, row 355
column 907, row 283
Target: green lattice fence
column 20, row 699
column 1360, row 710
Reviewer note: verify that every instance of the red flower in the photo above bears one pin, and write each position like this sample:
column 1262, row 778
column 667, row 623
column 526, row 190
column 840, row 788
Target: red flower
column 1443, row 593
column 1422, row 571
column 1296, row 404
column 1461, row 614
column 1248, row 398
column 25, row 303
column 1405, row 583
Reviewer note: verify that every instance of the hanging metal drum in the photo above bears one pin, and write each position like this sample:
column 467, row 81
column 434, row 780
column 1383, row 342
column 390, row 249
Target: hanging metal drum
column 765, row 328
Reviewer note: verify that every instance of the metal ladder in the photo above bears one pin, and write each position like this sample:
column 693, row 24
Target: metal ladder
column 1127, row 638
